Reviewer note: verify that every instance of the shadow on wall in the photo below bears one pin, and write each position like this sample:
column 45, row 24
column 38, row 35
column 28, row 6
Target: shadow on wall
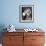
column 2, row 26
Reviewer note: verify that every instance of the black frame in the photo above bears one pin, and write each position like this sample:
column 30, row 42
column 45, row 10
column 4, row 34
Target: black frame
column 22, row 13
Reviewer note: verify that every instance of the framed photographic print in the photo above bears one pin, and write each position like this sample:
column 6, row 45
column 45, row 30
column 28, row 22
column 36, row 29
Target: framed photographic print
column 26, row 13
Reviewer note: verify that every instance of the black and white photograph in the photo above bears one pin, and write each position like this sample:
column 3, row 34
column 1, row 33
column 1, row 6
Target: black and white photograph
column 26, row 13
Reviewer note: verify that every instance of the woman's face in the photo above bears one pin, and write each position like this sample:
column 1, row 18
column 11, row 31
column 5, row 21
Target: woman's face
column 27, row 11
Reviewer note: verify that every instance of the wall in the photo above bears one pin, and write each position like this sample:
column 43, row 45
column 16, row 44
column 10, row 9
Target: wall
column 10, row 13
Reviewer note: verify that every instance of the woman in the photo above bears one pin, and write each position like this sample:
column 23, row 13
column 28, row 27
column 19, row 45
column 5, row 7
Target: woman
column 27, row 14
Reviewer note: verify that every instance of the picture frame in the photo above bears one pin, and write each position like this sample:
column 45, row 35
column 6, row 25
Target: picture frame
column 26, row 13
